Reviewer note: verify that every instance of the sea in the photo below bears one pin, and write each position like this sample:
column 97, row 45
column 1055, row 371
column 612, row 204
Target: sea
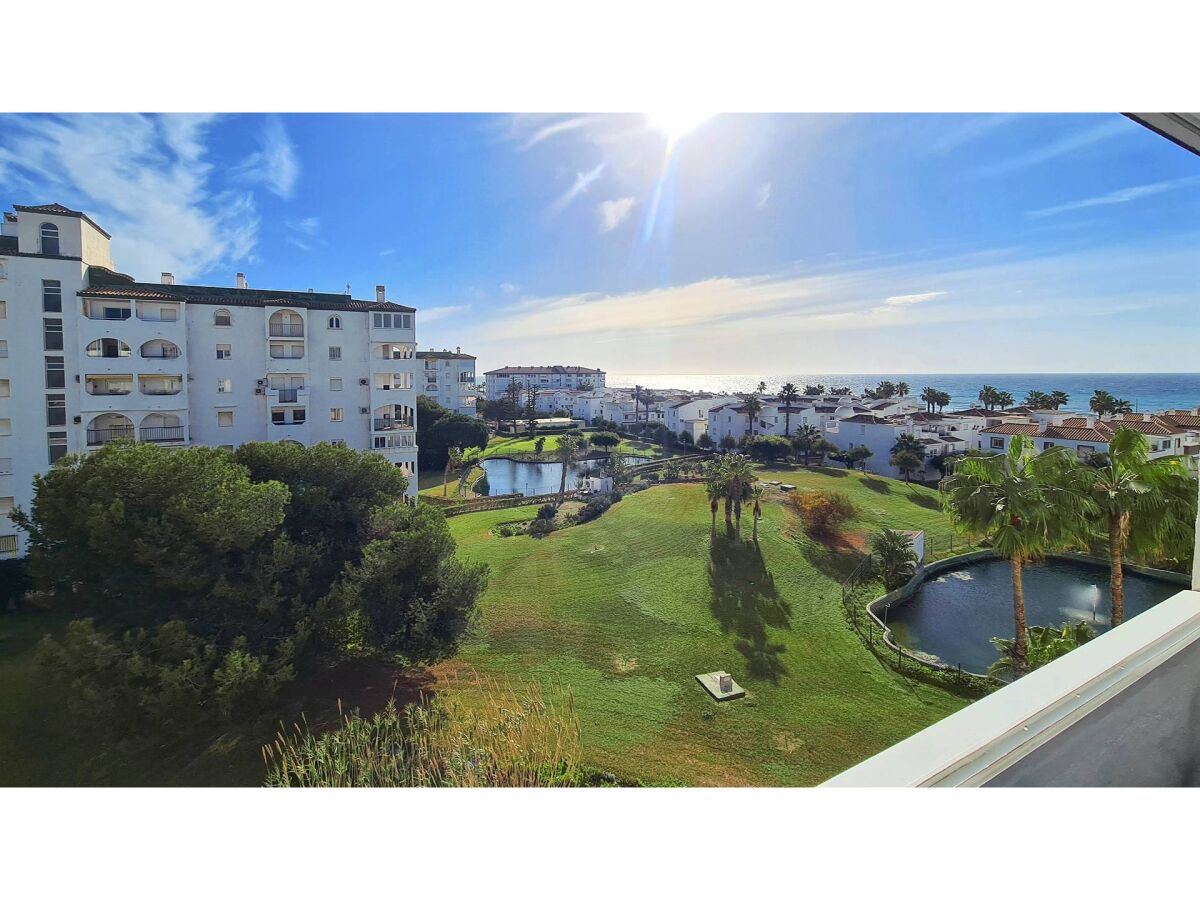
column 1148, row 392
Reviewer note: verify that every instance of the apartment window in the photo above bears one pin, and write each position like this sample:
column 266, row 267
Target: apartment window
column 335, row 353
column 335, row 322
column 56, row 375
column 6, row 465
column 50, row 244
column 298, row 416
column 5, row 427
column 3, row 305
column 3, row 349
column 8, row 543
column 1046, row 445
column 277, row 417
column 224, row 385
column 228, row 447
column 56, row 443
column 52, row 332
column 56, row 409
column 335, row 414
column 5, row 388
column 335, row 384
column 383, row 320
column 222, row 317
column 225, row 418
column 6, row 505
column 224, row 351
column 997, row 443
column 52, row 296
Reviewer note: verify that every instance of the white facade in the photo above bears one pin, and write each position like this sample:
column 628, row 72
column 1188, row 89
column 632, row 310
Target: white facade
column 544, row 378
column 448, row 378
column 88, row 356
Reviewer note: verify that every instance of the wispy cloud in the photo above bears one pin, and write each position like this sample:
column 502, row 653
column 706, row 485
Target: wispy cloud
column 1069, row 143
column 508, row 287
column 144, row 178
column 762, row 196
column 563, row 125
column 909, row 299
column 583, row 180
column 965, row 130
column 433, row 313
column 1123, row 195
column 302, row 232
column 388, row 252
column 613, row 212
column 274, row 165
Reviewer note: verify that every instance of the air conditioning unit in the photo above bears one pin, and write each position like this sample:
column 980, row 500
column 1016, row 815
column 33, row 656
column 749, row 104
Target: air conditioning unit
column 259, row 390
column 262, row 382
column 363, row 382
column 78, row 420
column 364, row 410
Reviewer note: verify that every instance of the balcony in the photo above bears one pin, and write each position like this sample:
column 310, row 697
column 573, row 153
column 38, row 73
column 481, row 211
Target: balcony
column 391, row 425
column 161, row 435
column 161, row 389
column 109, row 313
column 286, row 330
column 98, row 436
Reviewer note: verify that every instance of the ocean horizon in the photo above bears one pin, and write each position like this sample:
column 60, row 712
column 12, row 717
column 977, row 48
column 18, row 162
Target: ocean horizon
column 1148, row 392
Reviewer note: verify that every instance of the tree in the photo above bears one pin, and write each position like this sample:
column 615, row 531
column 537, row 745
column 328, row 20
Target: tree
column 637, row 399
column 1004, row 399
column 1142, row 504
column 762, row 387
column 605, row 440
column 907, row 462
column 894, row 557
column 805, row 440
column 1058, row 398
column 714, row 487
column 531, row 417
column 472, row 458
column 1037, row 400
column 929, row 398
column 569, row 447
column 1025, row 505
column 1103, row 402
column 902, row 389
column 942, row 400
column 756, row 494
column 685, row 437
column 814, row 390
column 843, row 391
column 728, row 442
column 513, row 394
column 539, row 445
column 821, row 449
column 409, row 597
column 769, row 447
column 1043, row 645
column 450, row 430
column 822, row 512
column 853, row 457
column 788, row 394
column 739, row 476
column 751, row 406
column 454, row 459
column 704, row 442
column 989, row 397
column 906, row 440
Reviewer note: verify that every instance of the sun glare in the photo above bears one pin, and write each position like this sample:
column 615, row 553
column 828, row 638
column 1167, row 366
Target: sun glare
column 675, row 125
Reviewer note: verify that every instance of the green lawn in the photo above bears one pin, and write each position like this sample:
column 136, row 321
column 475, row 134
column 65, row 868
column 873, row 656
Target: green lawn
column 627, row 609
column 505, row 446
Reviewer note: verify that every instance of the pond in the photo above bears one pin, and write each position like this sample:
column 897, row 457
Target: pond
column 955, row 615
column 508, row 476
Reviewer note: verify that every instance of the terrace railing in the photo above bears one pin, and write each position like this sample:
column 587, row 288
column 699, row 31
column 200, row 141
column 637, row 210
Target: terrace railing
column 162, row 434
column 98, row 436
column 282, row 330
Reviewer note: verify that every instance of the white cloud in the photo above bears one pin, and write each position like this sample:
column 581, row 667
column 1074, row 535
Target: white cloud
column 274, row 165
column 583, row 181
column 433, row 313
column 508, row 288
column 762, row 196
column 559, row 127
column 614, row 212
column 145, row 179
column 302, row 232
column 1124, row 195
column 909, row 299
column 1070, row 143
column 388, row 252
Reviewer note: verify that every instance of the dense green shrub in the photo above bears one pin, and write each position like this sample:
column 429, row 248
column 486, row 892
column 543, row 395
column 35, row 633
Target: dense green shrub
column 769, row 447
column 547, row 511
column 594, row 508
column 540, row 527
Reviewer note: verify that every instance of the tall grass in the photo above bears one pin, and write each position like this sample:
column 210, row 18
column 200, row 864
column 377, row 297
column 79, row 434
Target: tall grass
column 502, row 738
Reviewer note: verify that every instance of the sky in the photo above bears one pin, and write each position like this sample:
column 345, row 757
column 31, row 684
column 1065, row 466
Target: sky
column 670, row 242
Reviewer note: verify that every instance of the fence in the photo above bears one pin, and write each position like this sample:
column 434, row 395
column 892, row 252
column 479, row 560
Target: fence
column 861, row 584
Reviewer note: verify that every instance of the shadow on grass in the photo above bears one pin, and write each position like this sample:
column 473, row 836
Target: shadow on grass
column 836, row 563
column 924, row 500
column 745, row 603
column 830, row 471
column 877, row 485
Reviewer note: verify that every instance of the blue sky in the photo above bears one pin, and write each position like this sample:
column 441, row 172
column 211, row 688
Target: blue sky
column 820, row 243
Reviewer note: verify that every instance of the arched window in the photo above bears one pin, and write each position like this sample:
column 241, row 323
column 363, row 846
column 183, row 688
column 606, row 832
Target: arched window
column 109, row 348
column 222, row 317
column 335, row 322
column 50, row 239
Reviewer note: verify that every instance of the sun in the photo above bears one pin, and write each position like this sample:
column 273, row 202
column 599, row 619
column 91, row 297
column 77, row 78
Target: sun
column 676, row 125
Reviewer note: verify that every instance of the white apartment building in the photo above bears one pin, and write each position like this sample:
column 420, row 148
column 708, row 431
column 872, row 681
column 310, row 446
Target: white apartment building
column 448, row 378
column 691, row 414
column 729, row 418
column 88, row 355
column 939, row 435
column 544, row 378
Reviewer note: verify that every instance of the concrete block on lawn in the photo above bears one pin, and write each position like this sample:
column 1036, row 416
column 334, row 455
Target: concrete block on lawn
column 721, row 686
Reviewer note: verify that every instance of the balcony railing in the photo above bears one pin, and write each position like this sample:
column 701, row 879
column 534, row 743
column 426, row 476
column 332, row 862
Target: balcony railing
column 110, row 392
column 98, row 436
column 161, row 391
column 299, row 421
column 161, row 353
column 165, row 316
column 111, row 314
column 277, row 353
column 390, row 424
column 278, row 330
column 161, row 434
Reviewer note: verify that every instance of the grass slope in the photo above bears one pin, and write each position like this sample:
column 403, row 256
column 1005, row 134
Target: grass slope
column 627, row 609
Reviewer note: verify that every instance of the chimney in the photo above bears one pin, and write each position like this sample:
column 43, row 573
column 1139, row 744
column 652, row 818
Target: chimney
column 458, row 349
column 310, row 290
column 166, row 278
column 380, row 294
column 241, row 280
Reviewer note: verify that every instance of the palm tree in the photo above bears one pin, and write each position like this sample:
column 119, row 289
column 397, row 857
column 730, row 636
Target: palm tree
column 762, row 387
column 942, row 400
column 1122, row 406
column 929, row 398
column 756, row 494
column 1025, row 504
column 569, row 446
column 987, row 397
column 894, row 557
column 637, row 399
column 1147, row 505
column 714, row 486
column 1044, row 644
column 902, row 389
column 788, row 394
column 752, row 406
column 472, row 457
column 1004, row 399
column 1102, row 402
column 1058, row 398
column 454, row 458
column 806, row 439
column 1036, row 400
column 739, row 475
